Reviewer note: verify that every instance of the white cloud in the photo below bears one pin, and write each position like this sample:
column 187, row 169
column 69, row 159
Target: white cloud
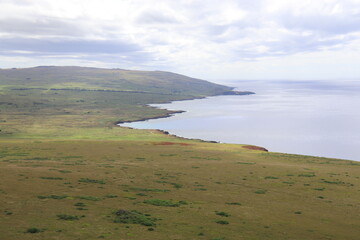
column 208, row 39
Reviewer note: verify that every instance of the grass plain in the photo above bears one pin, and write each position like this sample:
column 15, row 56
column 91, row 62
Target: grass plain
column 66, row 172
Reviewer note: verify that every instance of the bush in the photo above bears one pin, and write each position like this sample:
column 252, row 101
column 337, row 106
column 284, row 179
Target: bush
column 67, row 217
column 52, row 178
column 260, row 191
column 53, row 197
column 90, row 198
column 222, row 222
column 33, row 230
column 271, row 177
column 111, row 196
column 223, row 214
column 88, row 180
column 164, row 203
column 80, row 204
column 133, row 217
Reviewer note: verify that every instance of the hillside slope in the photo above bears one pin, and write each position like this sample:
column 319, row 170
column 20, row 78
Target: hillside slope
column 109, row 79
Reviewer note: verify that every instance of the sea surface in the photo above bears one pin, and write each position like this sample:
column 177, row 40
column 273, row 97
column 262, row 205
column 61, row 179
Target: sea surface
column 319, row 118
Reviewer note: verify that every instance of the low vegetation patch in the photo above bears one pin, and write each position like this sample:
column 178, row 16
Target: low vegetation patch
column 234, row 203
column 90, row 198
column 148, row 189
column 260, row 191
column 67, row 217
column 133, row 217
column 88, row 180
column 223, row 214
column 246, row 163
column 307, row 175
column 164, row 203
column 52, row 197
column 33, row 230
column 52, row 178
column 271, row 177
column 111, row 196
column 222, row 222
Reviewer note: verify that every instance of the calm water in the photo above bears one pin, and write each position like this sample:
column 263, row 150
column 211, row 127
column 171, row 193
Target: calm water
column 319, row 118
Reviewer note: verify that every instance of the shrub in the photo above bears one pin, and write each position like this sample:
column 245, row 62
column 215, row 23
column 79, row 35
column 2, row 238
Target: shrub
column 148, row 189
column 111, row 196
column 307, row 175
column 133, row 217
column 223, row 214
column 271, row 177
column 260, row 191
column 164, row 203
column 80, row 204
column 222, row 222
column 88, row 180
column 67, row 217
column 33, row 230
column 52, row 178
column 233, row 203
column 90, row 198
column 53, row 197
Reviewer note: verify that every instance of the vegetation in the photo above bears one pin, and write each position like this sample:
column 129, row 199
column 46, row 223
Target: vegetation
column 33, row 230
column 48, row 134
column 133, row 217
column 164, row 203
column 67, row 217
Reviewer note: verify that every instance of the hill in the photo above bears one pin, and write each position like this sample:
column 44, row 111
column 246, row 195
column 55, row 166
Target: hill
column 108, row 79
column 81, row 102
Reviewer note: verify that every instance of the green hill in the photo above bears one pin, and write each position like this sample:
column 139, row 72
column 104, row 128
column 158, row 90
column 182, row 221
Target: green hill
column 81, row 102
column 109, row 79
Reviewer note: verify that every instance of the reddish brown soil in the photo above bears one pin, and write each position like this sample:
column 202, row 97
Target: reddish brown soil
column 172, row 143
column 251, row 147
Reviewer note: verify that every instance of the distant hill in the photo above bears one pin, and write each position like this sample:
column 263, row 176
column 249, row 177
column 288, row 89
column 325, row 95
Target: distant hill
column 87, row 78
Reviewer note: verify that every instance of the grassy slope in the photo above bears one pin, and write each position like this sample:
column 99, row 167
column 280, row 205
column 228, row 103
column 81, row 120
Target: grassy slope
column 208, row 176
column 51, row 139
column 70, row 113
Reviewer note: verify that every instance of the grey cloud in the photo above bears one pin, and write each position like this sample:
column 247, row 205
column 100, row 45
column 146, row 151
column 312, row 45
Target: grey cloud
column 67, row 46
column 106, row 51
column 41, row 26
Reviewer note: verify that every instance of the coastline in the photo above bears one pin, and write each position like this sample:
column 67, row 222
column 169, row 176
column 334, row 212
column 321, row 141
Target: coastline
column 171, row 113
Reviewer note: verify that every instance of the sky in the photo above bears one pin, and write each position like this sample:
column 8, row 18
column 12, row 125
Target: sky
column 207, row 39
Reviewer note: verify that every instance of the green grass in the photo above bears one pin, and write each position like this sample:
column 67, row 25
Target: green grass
column 50, row 134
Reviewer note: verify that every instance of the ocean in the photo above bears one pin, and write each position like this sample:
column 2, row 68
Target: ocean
column 318, row 118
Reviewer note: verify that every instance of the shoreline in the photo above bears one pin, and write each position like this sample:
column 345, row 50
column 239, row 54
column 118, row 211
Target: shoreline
column 171, row 113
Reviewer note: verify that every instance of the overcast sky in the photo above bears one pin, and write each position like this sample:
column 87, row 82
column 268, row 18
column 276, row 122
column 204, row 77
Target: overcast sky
column 208, row 39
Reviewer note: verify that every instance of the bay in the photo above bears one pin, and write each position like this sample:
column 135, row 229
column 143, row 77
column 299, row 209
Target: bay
column 319, row 118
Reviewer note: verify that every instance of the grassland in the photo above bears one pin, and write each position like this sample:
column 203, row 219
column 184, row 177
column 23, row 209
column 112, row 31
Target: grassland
column 68, row 173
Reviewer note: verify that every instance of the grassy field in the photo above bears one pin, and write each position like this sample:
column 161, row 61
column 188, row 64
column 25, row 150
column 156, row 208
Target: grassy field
column 67, row 172
column 188, row 190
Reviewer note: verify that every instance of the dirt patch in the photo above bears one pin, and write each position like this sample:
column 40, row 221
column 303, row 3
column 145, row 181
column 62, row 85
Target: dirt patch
column 172, row 143
column 251, row 147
